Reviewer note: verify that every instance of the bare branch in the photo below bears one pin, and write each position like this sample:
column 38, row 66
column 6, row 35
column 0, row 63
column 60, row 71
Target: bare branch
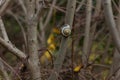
column 3, row 31
column 115, row 67
column 111, row 23
column 7, row 44
column 21, row 26
column 12, row 49
column 5, row 74
column 80, row 5
column 23, row 6
column 57, row 8
column 3, row 8
column 63, row 47
column 87, row 33
column 7, row 65
column 32, row 21
column 49, row 14
column 5, row 36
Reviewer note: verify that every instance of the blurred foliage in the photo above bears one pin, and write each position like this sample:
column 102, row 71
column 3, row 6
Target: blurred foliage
column 100, row 60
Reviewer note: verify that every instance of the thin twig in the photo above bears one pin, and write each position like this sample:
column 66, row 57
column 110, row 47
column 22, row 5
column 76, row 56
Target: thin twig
column 72, row 50
column 7, row 43
column 3, row 70
column 21, row 26
column 80, row 5
column 116, row 6
column 6, row 64
column 49, row 14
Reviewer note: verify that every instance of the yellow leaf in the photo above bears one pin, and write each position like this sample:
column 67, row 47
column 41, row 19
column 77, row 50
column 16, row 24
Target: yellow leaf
column 56, row 30
column 45, row 57
column 50, row 39
column 77, row 68
column 51, row 47
column 48, row 56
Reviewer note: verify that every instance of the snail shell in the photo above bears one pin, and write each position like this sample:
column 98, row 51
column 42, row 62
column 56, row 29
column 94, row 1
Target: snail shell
column 66, row 30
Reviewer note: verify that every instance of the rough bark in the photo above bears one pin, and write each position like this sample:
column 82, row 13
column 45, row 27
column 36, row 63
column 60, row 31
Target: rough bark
column 33, row 60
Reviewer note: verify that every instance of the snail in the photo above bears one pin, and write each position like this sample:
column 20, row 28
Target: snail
column 66, row 30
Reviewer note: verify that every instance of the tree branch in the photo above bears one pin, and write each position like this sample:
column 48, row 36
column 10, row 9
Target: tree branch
column 49, row 14
column 63, row 47
column 32, row 22
column 3, row 8
column 12, row 49
column 7, row 44
column 111, row 23
column 86, row 45
column 5, row 74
